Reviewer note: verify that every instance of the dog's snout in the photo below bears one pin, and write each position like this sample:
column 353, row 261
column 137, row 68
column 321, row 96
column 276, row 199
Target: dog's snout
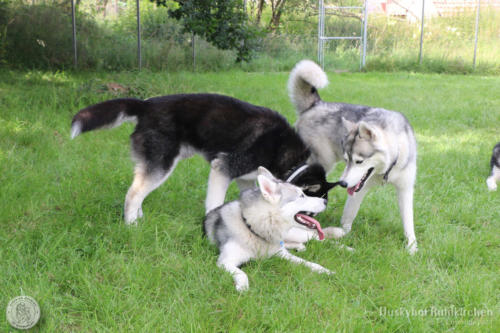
column 343, row 183
column 325, row 201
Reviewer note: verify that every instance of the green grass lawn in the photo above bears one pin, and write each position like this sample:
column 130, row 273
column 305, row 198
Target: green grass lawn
column 63, row 240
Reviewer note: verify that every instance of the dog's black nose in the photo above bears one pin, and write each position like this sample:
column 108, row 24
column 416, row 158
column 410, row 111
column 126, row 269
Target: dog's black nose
column 325, row 201
column 342, row 183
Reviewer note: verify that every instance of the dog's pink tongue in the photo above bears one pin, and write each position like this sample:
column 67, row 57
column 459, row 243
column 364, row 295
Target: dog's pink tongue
column 316, row 223
column 351, row 190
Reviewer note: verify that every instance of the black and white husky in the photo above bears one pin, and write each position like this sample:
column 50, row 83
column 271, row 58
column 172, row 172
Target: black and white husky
column 233, row 136
column 258, row 225
column 495, row 169
column 377, row 145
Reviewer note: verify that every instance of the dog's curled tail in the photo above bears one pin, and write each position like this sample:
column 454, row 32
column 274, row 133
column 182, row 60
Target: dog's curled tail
column 107, row 114
column 305, row 78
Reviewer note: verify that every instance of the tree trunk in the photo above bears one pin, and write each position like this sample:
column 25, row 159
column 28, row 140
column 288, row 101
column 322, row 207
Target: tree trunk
column 277, row 10
column 260, row 8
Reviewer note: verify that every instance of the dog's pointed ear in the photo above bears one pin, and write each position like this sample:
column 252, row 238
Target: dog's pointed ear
column 349, row 125
column 367, row 132
column 269, row 189
column 261, row 171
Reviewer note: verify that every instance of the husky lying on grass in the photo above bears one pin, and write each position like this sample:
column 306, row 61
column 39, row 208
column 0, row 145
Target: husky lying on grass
column 377, row 145
column 495, row 168
column 233, row 136
column 258, row 225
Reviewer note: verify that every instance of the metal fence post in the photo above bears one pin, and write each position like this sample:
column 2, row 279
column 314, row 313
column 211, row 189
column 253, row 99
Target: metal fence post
column 320, row 34
column 74, row 31
column 193, row 45
column 421, row 33
column 365, row 27
column 476, row 33
column 139, row 54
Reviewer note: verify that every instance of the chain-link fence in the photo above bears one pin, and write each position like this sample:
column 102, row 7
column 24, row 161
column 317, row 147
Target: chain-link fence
column 39, row 33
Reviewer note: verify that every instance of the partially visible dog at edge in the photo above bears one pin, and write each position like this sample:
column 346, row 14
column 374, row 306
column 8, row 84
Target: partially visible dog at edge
column 495, row 169
column 235, row 137
column 377, row 145
column 260, row 224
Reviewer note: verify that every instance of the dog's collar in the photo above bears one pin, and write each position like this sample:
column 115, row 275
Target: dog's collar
column 297, row 172
column 386, row 175
column 310, row 107
column 250, row 228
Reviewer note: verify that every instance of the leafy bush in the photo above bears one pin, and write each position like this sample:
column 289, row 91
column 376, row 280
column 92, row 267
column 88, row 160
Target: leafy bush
column 40, row 36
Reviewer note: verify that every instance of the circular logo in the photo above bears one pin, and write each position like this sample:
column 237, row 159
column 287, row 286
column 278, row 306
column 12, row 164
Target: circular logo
column 23, row 312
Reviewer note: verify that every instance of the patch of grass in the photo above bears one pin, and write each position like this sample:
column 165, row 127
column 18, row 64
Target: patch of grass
column 64, row 241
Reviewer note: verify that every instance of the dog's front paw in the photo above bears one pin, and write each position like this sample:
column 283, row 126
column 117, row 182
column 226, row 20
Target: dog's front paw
column 241, row 282
column 130, row 217
column 412, row 248
column 132, row 222
column 334, row 232
column 492, row 185
column 321, row 270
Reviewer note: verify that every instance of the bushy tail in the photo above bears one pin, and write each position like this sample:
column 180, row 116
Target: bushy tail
column 107, row 114
column 305, row 78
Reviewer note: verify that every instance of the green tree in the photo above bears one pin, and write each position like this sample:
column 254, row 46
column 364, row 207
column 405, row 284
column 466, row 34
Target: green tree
column 222, row 23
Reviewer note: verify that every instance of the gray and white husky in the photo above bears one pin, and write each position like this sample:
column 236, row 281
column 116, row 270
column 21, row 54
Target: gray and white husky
column 259, row 224
column 377, row 145
column 495, row 168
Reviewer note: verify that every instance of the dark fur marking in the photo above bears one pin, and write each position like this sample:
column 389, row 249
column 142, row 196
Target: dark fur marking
column 495, row 157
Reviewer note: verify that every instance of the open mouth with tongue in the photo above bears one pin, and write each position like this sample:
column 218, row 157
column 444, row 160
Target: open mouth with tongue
column 359, row 186
column 307, row 220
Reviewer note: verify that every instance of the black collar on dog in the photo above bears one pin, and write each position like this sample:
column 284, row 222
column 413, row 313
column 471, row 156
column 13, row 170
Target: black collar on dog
column 386, row 175
column 313, row 105
column 250, row 228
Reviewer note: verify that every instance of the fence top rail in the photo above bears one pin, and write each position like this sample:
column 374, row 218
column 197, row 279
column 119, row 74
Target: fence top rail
column 343, row 7
column 333, row 38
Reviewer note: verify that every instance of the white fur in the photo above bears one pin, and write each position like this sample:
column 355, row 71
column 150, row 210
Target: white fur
column 304, row 75
column 76, row 129
column 218, row 183
column 493, row 179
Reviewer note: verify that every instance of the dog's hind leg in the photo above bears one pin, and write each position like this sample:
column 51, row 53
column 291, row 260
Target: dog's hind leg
column 231, row 257
column 218, row 182
column 156, row 158
column 405, row 201
column 144, row 183
column 493, row 178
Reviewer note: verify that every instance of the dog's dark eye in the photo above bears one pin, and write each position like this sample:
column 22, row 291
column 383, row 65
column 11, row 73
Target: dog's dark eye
column 359, row 161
